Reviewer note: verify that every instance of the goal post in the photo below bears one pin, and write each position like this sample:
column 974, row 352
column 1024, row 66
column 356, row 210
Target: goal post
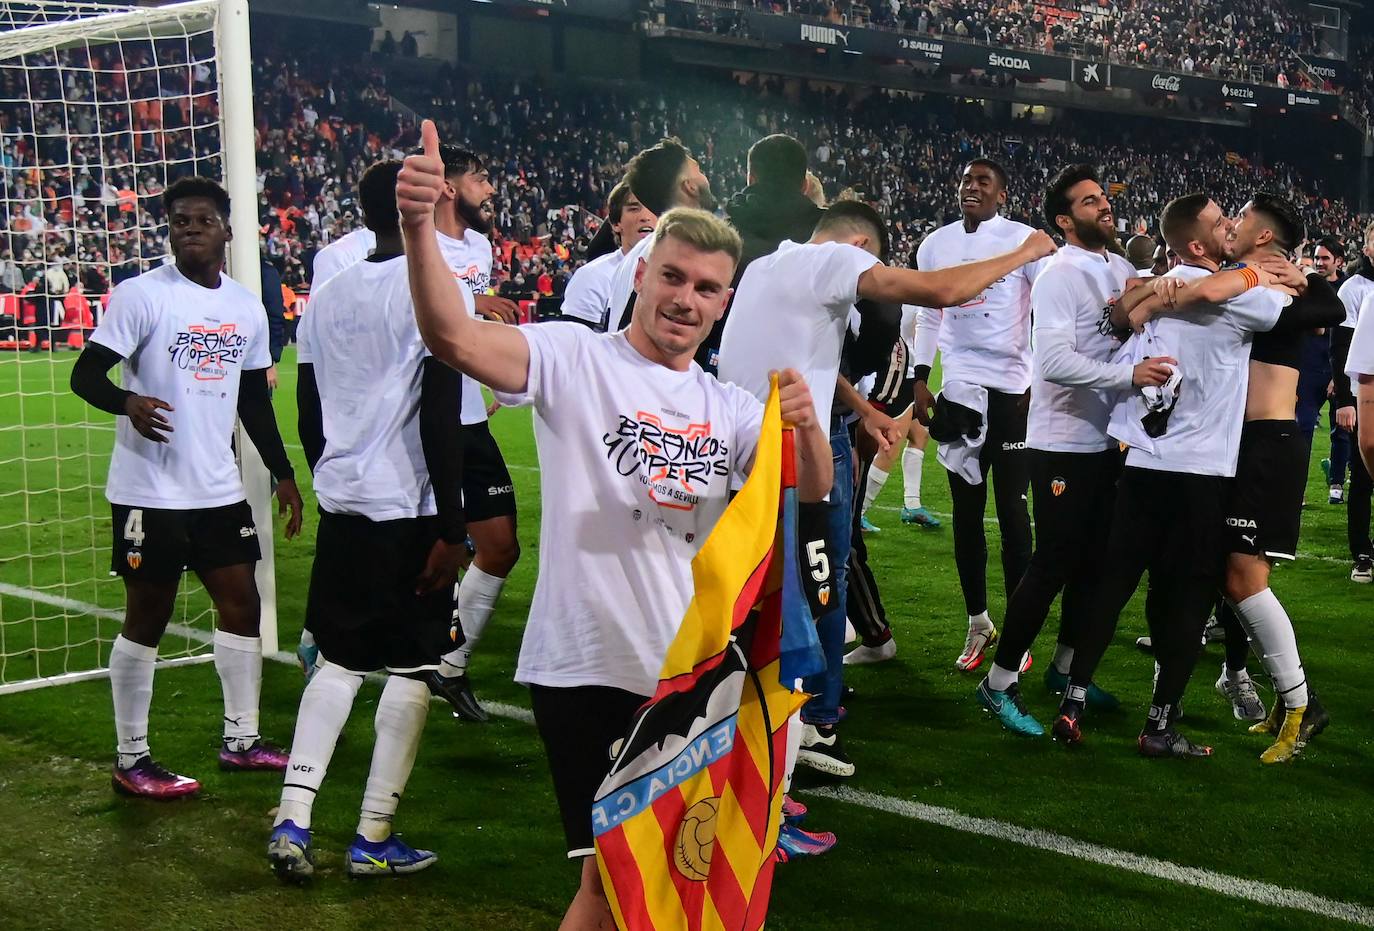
column 101, row 107
column 235, row 57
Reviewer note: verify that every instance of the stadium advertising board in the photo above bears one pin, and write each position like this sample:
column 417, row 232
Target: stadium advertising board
column 787, row 30
column 1267, row 96
column 1328, row 69
column 1034, row 66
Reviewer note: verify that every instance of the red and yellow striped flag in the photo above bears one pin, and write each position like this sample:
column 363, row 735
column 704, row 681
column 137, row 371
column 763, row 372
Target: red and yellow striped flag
column 687, row 820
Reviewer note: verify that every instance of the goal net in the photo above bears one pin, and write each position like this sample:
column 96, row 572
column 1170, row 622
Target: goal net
column 101, row 107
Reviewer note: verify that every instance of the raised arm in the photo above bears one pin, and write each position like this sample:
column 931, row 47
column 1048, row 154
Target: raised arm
column 949, row 287
column 1165, row 295
column 493, row 353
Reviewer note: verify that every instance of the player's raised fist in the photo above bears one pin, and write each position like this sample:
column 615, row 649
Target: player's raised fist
column 1038, row 245
column 421, row 180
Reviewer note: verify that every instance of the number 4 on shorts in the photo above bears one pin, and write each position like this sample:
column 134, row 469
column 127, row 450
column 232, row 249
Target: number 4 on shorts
column 133, row 527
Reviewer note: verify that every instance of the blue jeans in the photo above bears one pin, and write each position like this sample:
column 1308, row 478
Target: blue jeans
column 1311, row 399
column 826, row 687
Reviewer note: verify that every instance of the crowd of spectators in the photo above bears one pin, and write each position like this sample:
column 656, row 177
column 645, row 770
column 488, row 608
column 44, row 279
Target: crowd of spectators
column 554, row 151
column 900, row 152
column 1231, row 39
column 83, row 162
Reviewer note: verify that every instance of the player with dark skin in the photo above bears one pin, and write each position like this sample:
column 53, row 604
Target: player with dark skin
column 199, row 235
column 981, row 195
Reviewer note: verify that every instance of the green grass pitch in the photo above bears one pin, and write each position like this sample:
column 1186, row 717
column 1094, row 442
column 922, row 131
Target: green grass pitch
column 481, row 798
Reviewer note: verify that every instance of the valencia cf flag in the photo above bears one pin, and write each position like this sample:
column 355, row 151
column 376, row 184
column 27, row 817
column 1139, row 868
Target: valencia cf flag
column 687, row 820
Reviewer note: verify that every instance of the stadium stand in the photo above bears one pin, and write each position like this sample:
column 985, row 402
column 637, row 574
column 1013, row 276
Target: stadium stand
column 1222, row 38
column 555, row 152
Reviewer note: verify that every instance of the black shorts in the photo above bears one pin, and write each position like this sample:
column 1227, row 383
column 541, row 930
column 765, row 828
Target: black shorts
column 1264, row 517
column 1173, row 522
column 894, row 388
column 1073, row 495
column 579, row 727
column 156, row 543
column 814, row 553
column 362, row 607
column 895, row 405
column 487, row 487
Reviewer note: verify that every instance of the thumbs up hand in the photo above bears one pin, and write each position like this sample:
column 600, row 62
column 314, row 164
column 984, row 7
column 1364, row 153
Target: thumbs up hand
column 421, row 180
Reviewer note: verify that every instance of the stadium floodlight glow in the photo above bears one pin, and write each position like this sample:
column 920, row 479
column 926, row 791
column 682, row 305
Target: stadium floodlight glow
column 106, row 105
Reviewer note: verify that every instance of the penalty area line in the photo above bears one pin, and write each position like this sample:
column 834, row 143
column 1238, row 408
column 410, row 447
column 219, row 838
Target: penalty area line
column 1232, row 886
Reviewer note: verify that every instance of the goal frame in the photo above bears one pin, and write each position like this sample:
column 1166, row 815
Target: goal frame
column 234, row 72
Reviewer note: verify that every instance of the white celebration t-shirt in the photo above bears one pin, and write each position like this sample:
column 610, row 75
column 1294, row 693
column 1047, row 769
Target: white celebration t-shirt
column 635, row 465
column 186, row 345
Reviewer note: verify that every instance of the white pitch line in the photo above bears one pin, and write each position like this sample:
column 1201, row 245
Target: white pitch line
column 1251, row 890
column 1221, row 883
column 82, row 607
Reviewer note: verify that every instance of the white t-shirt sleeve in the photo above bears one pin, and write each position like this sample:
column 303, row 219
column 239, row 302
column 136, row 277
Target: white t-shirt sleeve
column 258, row 354
column 126, row 322
column 1032, row 270
column 927, row 336
column 1055, row 305
column 1257, row 310
column 557, row 352
column 1360, row 361
column 1350, row 294
column 836, row 275
column 305, row 350
column 585, row 296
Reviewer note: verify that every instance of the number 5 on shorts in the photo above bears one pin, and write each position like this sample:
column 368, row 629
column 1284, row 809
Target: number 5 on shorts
column 133, row 527
column 818, row 560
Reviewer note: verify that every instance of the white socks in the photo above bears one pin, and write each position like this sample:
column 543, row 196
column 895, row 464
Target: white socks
column 325, row 705
column 912, row 459
column 1271, row 630
column 789, row 759
column 400, row 720
column 477, row 595
column 979, row 622
column 1063, row 658
column 999, row 679
column 238, row 660
column 131, row 682
column 877, row 478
